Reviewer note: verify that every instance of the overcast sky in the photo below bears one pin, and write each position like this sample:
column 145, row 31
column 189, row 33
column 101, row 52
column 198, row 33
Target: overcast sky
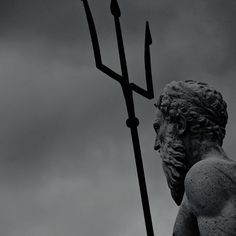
column 67, row 164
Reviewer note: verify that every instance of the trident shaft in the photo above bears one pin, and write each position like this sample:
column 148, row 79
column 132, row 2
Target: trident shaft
column 128, row 88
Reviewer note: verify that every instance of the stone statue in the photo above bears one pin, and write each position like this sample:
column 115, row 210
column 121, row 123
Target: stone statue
column 190, row 128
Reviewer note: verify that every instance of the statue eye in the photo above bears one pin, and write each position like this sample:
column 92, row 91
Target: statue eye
column 156, row 127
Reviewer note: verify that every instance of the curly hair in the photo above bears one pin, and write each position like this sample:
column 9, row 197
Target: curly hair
column 202, row 106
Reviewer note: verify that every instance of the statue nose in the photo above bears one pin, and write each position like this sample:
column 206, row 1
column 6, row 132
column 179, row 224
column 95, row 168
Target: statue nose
column 157, row 147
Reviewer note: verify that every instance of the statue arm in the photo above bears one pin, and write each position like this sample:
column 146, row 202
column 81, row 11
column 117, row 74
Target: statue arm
column 206, row 188
column 206, row 196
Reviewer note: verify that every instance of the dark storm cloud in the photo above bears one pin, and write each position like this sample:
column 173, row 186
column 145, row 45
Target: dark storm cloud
column 42, row 18
column 67, row 163
column 41, row 105
column 225, row 14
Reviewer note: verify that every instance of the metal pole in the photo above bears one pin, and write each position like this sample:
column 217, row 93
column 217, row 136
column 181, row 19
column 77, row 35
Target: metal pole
column 141, row 179
column 128, row 88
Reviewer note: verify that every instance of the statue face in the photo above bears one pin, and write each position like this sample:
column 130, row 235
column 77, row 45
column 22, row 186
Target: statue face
column 162, row 129
column 172, row 153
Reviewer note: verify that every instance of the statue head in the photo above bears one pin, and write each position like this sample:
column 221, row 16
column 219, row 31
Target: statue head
column 186, row 109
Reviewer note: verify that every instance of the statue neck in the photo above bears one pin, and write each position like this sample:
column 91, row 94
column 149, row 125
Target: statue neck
column 197, row 150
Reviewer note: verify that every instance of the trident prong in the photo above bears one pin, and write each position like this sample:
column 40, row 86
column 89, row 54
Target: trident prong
column 96, row 47
column 128, row 88
column 147, row 59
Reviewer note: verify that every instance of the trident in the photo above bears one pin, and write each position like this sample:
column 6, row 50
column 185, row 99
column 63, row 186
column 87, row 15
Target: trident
column 128, row 88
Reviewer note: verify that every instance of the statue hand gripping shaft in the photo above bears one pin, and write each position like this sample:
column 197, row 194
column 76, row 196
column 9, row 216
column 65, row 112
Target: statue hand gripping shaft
column 128, row 88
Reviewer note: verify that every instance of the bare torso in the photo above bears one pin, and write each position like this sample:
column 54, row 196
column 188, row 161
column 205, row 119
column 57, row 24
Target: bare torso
column 209, row 204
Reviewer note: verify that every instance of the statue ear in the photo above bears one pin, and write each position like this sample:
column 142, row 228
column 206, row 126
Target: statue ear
column 181, row 124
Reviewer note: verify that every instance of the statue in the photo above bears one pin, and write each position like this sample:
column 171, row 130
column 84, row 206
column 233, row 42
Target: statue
column 190, row 128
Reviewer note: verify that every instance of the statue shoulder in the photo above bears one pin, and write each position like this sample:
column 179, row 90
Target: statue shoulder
column 209, row 184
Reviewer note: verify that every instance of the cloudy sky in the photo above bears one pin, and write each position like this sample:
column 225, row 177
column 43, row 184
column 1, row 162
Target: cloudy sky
column 67, row 164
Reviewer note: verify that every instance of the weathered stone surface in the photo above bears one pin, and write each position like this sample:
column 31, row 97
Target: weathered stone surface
column 190, row 128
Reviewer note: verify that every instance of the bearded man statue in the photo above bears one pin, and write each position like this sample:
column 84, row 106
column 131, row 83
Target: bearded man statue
column 190, row 128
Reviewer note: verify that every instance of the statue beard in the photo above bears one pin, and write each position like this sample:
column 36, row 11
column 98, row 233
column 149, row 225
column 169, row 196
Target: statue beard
column 173, row 157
